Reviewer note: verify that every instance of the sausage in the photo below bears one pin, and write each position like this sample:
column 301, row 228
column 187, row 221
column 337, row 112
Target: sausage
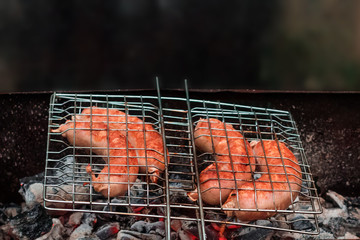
column 121, row 171
column 150, row 157
column 273, row 191
column 123, row 160
column 147, row 141
column 81, row 132
column 231, row 160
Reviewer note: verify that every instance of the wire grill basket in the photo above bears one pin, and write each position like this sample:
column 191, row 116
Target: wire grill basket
column 68, row 187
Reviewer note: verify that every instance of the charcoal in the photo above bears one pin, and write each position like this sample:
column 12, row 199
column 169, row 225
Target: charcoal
column 63, row 184
column 183, row 235
column 175, row 224
column 32, row 223
column 63, row 193
column 190, row 226
column 63, row 172
column 139, row 192
column 75, row 218
column 131, row 235
column 249, row 233
column 117, row 208
column 125, row 221
column 211, row 234
column 88, row 238
column 84, row 230
column 156, row 227
column 139, row 226
column 337, row 199
column 27, row 181
column 33, row 194
column 146, row 227
column 254, row 233
column 89, row 219
column 108, row 230
column 8, row 211
column 352, row 225
column 301, row 223
column 57, row 231
column 31, row 189
column 174, row 236
column 179, row 196
column 339, row 226
column 324, row 235
column 352, row 202
column 4, row 236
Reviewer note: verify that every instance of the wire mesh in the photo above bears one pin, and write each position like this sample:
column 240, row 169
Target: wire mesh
column 69, row 187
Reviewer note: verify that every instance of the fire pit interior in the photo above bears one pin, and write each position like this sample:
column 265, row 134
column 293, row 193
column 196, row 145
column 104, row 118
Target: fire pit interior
column 161, row 210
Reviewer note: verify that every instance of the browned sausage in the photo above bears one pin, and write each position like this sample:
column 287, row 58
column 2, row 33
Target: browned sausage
column 121, row 171
column 275, row 159
column 147, row 141
column 232, row 161
column 142, row 136
column 121, row 158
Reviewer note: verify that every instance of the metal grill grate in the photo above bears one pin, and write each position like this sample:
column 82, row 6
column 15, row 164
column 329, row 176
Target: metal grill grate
column 66, row 180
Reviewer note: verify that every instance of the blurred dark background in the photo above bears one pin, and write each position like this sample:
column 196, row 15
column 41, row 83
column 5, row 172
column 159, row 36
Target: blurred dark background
column 273, row 44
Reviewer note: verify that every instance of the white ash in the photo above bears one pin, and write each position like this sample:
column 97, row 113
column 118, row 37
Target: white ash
column 30, row 224
column 147, row 227
column 34, row 194
column 139, row 191
column 337, row 199
column 82, row 231
column 337, row 221
column 75, row 219
column 86, row 227
column 31, row 189
column 60, row 185
column 64, row 193
column 349, row 236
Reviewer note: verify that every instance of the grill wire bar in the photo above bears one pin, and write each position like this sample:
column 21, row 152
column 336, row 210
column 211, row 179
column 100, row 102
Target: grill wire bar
column 168, row 221
column 201, row 211
column 68, row 187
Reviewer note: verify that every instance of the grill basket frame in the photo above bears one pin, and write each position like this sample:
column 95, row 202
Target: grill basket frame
column 175, row 119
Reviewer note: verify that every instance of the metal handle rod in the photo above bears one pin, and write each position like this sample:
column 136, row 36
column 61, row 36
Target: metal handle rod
column 201, row 211
column 167, row 185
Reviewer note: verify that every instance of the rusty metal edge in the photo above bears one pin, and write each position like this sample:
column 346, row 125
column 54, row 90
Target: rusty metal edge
column 252, row 91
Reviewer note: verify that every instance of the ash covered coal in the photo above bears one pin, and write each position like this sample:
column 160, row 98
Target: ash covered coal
column 30, row 224
column 340, row 219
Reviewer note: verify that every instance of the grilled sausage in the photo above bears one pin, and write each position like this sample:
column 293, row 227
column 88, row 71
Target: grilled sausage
column 119, row 155
column 121, row 171
column 82, row 132
column 147, row 141
column 231, row 160
column 276, row 189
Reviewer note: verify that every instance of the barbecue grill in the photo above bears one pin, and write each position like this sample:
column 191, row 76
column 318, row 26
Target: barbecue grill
column 67, row 187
